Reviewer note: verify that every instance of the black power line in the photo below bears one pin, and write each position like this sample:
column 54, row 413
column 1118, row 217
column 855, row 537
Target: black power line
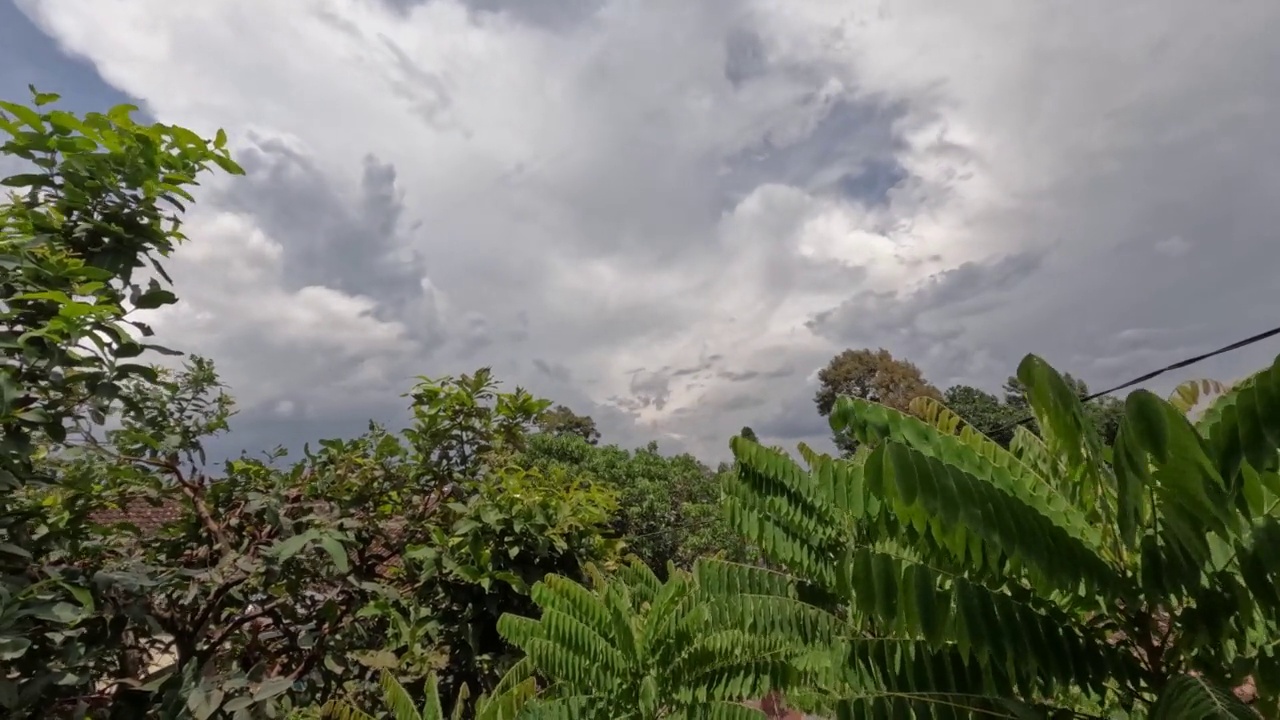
column 1156, row 373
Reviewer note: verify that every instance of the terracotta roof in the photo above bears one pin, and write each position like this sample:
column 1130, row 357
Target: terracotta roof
column 149, row 518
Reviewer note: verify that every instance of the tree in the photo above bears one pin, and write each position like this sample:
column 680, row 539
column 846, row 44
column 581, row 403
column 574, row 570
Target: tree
column 635, row 647
column 668, row 507
column 749, row 434
column 1041, row 579
column 102, row 198
column 983, row 411
column 873, row 375
column 276, row 587
column 561, row 420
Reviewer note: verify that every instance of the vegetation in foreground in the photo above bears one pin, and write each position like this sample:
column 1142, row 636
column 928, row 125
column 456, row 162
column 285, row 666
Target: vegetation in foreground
column 492, row 560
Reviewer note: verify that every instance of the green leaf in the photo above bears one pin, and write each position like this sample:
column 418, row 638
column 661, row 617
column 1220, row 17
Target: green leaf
column 28, row 180
column 82, row 595
column 337, row 553
column 25, row 114
column 291, row 546
column 14, row 550
column 398, row 699
column 40, row 99
column 12, row 648
column 272, row 688
column 237, row 704
column 120, row 114
column 228, row 165
column 154, row 299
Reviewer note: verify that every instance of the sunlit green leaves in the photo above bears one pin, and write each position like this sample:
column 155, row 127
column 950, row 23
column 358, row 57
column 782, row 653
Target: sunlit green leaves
column 73, row 229
column 1047, row 573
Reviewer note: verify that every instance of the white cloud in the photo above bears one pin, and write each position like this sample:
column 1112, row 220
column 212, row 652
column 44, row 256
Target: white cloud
column 583, row 197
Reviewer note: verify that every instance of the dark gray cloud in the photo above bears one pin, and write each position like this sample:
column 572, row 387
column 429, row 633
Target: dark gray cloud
column 966, row 290
column 850, row 151
column 551, row 14
column 350, row 239
column 745, row 56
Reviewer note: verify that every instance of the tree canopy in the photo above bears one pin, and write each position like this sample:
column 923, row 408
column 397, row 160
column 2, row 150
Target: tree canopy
column 873, row 375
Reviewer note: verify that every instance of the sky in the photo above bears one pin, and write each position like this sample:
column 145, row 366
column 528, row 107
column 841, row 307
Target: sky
column 669, row 215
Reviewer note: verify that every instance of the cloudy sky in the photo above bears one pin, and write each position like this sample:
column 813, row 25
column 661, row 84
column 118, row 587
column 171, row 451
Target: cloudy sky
column 669, row 214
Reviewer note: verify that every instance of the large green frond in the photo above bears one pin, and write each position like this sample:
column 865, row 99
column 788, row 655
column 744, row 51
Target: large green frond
column 1068, row 433
column 970, row 450
column 1260, row 565
column 1243, row 424
column 767, row 603
column 782, row 509
column 644, row 584
column 1187, row 697
column 1031, row 450
column 343, row 710
column 514, row 689
column 1035, row 644
column 562, row 594
column 720, row 711
column 1159, row 453
column 984, row 524
column 572, row 707
column 401, row 705
column 894, row 678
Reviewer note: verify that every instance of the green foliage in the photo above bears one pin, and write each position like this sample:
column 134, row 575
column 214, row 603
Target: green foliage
column 982, row 410
column 396, row 698
column 1105, row 413
column 669, row 507
column 560, row 420
column 102, row 199
column 507, row 701
column 873, row 375
column 986, row 581
column 636, row 647
column 273, row 588
column 996, row 418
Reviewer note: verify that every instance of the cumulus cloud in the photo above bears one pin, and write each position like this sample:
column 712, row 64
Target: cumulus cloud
column 668, row 215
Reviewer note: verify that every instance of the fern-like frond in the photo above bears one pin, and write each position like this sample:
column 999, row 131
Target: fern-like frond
column 890, row 677
column 644, row 584
column 1158, row 452
column 782, row 509
column 575, row 601
column 343, row 710
column 571, row 707
column 1037, row 645
column 1243, row 425
column 969, row 451
column 1031, row 450
column 402, row 707
column 514, row 690
column 1259, row 564
column 1187, row 697
column 1069, row 435
column 720, row 711
column 986, row 525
